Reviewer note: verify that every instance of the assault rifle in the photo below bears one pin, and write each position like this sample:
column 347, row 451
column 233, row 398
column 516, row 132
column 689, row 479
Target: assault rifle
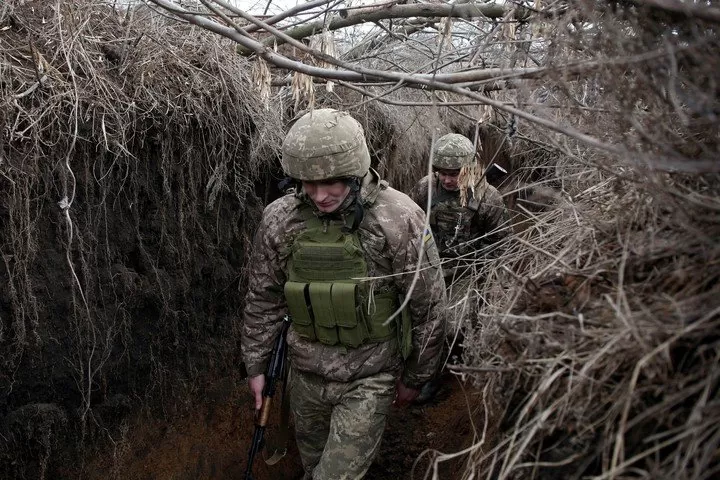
column 274, row 373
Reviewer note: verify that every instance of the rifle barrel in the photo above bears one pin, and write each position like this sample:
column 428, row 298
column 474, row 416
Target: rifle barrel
column 254, row 449
column 274, row 371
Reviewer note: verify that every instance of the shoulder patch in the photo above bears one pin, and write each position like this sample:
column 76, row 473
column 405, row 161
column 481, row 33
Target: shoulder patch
column 431, row 251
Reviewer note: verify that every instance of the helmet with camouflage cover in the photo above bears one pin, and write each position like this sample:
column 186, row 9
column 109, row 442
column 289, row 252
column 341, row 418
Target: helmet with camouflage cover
column 325, row 144
column 453, row 151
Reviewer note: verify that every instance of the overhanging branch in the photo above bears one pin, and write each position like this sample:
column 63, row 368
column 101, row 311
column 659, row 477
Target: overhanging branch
column 688, row 9
column 354, row 73
column 374, row 14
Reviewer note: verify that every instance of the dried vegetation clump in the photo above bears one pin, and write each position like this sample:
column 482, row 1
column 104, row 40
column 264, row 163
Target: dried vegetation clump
column 602, row 317
column 129, row 150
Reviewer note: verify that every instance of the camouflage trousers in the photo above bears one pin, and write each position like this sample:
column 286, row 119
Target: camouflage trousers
column 339, row 425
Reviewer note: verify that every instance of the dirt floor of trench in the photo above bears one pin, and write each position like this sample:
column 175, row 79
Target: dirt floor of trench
column 211, row 440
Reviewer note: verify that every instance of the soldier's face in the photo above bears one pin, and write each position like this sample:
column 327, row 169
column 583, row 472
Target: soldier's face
column 449, row 179
column 327, row 195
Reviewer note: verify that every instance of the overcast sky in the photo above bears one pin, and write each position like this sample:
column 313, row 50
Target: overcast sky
column 258, row 6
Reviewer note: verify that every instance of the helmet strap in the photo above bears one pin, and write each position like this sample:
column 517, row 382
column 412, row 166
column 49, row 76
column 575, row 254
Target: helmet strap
column 359, row 213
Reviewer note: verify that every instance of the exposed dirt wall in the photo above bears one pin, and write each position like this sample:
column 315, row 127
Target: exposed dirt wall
column 127, row 203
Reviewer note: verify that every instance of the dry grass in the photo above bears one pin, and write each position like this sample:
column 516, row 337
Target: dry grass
column 605, row 307
column 606, row 311
column 129, row 151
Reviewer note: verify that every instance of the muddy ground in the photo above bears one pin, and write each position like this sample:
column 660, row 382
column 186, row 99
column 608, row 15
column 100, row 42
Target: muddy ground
column 211, row 440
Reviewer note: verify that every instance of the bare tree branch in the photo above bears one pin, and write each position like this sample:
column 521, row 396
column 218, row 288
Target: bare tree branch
column 351, row 74
column 346, row 18
column 442, row 82
column 288, row 13
column 378, row 39
column 690, row 9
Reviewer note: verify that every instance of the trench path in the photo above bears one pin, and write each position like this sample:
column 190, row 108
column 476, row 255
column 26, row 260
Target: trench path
column 211, row 440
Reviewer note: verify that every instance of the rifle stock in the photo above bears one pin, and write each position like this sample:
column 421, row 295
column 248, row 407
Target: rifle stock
column 273, row 374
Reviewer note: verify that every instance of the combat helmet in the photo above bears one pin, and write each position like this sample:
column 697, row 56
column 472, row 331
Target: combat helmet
column 453, row 151
column 325, row 144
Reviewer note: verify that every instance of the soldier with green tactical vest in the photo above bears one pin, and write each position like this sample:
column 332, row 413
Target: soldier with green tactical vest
column 339, row 255
column 468, row 219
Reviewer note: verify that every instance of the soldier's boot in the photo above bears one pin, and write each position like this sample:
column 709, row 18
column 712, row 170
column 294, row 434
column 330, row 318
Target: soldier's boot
column 429, row 391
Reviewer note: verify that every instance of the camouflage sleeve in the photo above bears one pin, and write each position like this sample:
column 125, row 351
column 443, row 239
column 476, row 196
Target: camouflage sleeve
column 493, row 219
column 419, row 193
column 427, row 302
column 265, row 304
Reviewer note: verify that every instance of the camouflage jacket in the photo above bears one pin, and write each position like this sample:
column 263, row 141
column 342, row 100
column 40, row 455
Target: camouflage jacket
column 459, row 230
column 390, row 235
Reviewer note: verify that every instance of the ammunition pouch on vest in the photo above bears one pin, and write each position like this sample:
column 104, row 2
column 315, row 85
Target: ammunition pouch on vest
column 327, row 302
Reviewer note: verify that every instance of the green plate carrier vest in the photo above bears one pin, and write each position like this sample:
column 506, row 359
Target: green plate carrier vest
column 450, row 222
column 327, row 302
